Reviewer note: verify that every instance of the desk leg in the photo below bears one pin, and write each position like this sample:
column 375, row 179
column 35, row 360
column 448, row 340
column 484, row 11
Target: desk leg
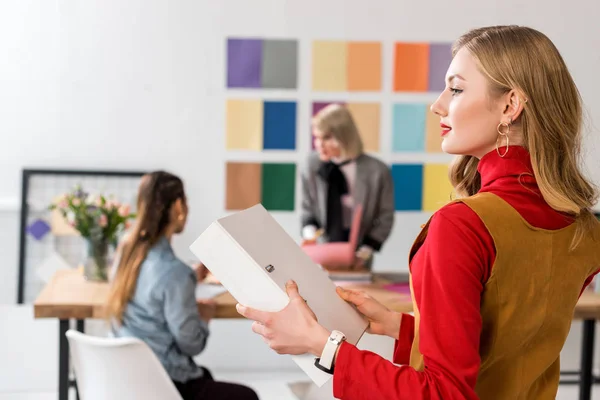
column 587, row 359
column 63, row 360
column 80, row 328
column 81, row 325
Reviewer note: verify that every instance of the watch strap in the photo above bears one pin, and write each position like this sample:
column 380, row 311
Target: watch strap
column 325, row 362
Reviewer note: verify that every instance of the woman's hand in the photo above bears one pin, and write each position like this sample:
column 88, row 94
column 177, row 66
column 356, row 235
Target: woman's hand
column 201, row 271
column 382, row 321
column 293, row 330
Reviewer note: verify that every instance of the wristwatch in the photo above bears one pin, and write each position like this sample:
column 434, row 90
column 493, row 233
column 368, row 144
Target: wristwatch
column 325, row 362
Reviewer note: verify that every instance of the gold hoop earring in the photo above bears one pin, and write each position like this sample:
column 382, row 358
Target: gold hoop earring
column 503, row 129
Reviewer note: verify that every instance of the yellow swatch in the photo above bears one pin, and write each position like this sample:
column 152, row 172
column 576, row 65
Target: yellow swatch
column 329, row 71
column 244, row 124
column 433, row 132
column 366, row 117
column 436, row 186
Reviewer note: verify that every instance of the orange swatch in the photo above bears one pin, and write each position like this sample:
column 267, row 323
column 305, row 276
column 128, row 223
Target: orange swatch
column 243, row 185
column 364, row 66
column 411, row 67
column 366, row 116
column 433, row 132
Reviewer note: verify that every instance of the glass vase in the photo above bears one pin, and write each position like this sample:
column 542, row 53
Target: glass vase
column 97, row 259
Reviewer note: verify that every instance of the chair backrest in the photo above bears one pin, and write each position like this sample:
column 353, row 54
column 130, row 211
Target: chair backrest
column 355, row 227
column 118, row 368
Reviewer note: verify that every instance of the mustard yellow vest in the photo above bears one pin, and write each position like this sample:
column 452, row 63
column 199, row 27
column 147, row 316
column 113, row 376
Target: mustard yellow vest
column 527, row 303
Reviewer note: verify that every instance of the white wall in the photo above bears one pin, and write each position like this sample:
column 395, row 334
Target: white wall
column 141, row 85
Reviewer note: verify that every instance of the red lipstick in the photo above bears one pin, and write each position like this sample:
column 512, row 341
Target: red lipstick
column 445, row 129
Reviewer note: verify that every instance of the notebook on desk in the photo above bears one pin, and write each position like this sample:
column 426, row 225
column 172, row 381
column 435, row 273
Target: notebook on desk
column 253, row 258
column 351, row 276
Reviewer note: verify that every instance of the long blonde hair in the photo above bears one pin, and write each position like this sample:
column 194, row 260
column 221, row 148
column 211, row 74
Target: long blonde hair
column 156, row 194
column 524, row 59
column 337, row 121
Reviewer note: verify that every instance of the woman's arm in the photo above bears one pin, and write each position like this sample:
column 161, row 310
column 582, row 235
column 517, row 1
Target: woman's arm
column 404, row 340
column 384, row 219
column 308, row 216
column 383, row 321
column 448, row 273
column 181, row 311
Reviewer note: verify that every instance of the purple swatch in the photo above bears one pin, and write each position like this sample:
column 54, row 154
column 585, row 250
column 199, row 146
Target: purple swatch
column 244, row 62
column 316, row 107
column 38, row 229
column 440, row 56
column 402, row 288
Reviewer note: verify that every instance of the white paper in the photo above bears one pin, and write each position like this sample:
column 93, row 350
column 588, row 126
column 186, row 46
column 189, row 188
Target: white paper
column 206, row 291
column 238, row 249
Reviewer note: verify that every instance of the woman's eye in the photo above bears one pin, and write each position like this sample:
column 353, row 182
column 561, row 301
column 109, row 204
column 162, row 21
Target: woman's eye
column 455, row 91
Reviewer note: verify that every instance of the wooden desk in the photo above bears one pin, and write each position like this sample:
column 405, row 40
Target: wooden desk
column 68, row 296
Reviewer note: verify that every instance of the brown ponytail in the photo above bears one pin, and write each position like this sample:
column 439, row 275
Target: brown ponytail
column 157, row 193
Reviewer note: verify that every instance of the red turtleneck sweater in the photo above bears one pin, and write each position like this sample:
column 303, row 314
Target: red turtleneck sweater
column 457, row 256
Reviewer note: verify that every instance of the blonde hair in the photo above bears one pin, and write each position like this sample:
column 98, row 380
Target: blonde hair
column 336, row 120
column 524, row 59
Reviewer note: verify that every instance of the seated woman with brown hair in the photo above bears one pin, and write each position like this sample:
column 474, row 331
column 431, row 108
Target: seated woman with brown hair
column 153, row 292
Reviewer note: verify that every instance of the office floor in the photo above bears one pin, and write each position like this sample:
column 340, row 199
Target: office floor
column 29, row 356
column 274, row 386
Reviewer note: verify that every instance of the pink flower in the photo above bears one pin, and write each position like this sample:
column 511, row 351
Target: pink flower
column 124, row 210
column 62, row 204
column 127, row 224
column 98, row 201
column 103, row 221
column 76, row 202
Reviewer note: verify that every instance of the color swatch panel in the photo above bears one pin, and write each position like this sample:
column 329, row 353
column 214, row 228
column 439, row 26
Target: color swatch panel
column 272, row 184
column 415, row 128
column 421, row 187
column 260, row 125
column 346, row 66
column 421, row 67
column 262, row 63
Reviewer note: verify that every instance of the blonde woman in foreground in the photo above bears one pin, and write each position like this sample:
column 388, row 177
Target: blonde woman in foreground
column 495, row 274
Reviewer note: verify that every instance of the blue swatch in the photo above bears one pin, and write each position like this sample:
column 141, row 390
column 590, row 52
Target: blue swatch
column 279, row 132
column 408, row 186
column 408, row 127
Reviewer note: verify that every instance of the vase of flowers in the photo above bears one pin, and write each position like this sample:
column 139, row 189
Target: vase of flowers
column 100, row 221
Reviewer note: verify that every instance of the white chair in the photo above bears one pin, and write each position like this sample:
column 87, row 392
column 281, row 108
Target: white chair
column 28, row 352
column 118, row 368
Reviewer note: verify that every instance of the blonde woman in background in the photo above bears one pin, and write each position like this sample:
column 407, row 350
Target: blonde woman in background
column 338, row 176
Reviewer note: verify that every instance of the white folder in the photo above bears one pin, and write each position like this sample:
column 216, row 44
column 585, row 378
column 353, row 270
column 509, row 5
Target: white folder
column 254, row 257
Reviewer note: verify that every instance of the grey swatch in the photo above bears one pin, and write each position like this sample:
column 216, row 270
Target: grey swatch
column 280, row 64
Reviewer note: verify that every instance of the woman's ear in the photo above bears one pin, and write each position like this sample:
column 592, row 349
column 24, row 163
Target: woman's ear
column 177, row 209
column 513, row 105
